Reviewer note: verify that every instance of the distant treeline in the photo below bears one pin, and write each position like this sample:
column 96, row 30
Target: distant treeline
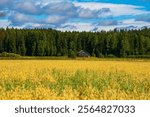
column 48, row 42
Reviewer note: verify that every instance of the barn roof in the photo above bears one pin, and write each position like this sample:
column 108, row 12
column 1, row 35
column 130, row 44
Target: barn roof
column 83, row 53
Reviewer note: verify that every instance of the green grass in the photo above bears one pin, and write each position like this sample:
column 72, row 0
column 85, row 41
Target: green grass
column 78, row 58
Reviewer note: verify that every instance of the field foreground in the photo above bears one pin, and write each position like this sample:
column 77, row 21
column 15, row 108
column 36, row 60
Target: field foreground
column 74, row 79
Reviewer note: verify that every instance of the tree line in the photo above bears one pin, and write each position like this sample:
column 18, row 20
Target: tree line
column 49, row 42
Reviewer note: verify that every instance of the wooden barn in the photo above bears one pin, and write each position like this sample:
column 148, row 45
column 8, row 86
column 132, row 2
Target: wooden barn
column 83, row 53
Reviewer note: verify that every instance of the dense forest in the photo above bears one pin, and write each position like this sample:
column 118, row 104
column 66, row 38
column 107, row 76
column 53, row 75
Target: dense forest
column 49, row 42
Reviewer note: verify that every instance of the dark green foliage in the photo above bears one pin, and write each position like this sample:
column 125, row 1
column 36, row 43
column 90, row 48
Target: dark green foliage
column 71, row 54
column 5, row 54
column 48, row 42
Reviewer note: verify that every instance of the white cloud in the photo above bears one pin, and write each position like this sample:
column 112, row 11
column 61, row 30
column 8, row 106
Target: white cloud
column 28, row 7
column 5, row 4
column 55, row 19
column 116, row 9
column 129, row 22
column 145, row 18
column 20, row 19
column 108, row 23
column 87, row 13
column 104, row 25
column 2, row 2
column 85, row 27
column 77, row 27
column 2, row 14
column 4, row 23
column 58, row 14
column 60, row 8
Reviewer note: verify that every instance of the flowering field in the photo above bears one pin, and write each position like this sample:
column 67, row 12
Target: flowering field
column 74, row 79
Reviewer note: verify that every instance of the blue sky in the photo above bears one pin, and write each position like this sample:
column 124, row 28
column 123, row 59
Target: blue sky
column 78, row 15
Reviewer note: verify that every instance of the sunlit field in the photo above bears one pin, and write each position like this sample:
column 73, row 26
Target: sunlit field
column 74, row 79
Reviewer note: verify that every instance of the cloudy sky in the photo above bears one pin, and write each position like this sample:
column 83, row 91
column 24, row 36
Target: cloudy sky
column 79, row 15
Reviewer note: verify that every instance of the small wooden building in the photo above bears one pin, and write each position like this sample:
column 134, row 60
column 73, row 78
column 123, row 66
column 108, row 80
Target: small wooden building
column 83, row 53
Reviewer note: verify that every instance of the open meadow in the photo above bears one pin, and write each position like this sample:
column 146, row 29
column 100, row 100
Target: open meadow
column 74, row 79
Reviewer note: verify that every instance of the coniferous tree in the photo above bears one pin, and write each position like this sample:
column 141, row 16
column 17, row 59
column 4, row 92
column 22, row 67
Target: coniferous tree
column 48, row 42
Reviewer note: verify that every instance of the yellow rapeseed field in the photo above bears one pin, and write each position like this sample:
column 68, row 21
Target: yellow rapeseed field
column 74, row 79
